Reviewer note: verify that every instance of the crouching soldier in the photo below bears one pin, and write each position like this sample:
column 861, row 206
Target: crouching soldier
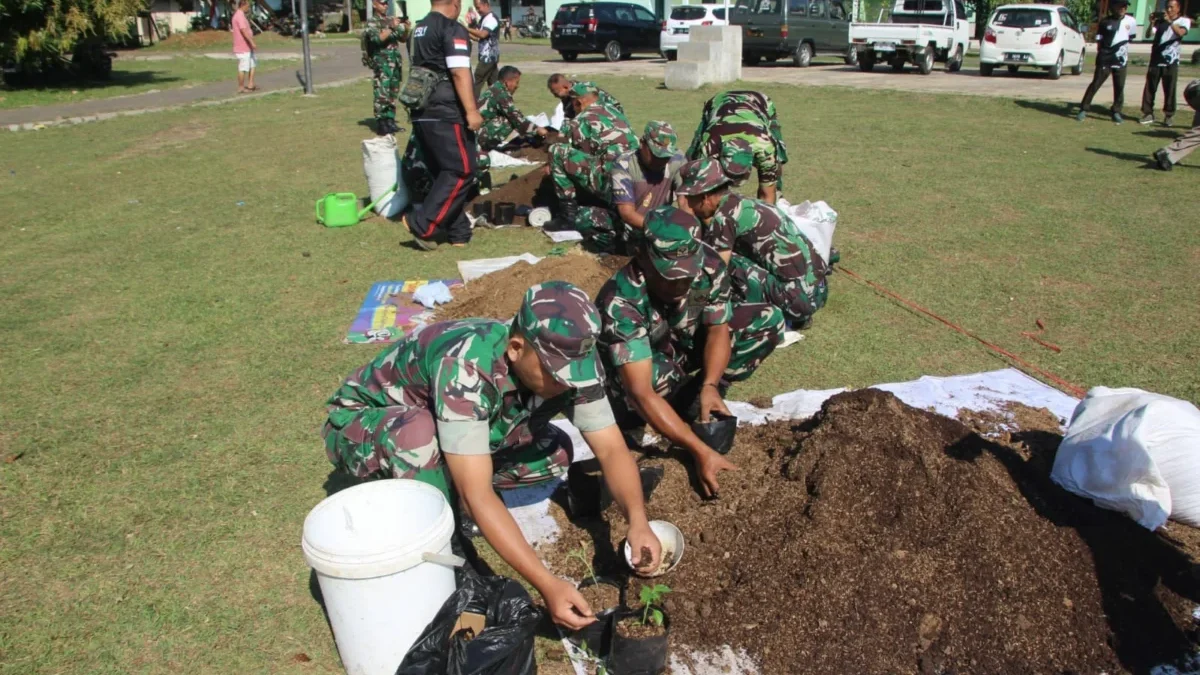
column 465, row 406
column 560, row 87
column 641, row 181
column 673, row 338
column 749, row 116
column 594, row 140
column 501, row 119
column 769, row 259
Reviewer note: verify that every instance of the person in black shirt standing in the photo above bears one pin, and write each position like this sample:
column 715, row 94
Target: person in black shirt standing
column 1164, row 63
column 1112, row 54
column 445, row 127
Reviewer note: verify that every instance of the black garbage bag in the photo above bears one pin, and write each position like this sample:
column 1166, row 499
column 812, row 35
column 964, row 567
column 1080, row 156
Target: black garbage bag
column 504, row 647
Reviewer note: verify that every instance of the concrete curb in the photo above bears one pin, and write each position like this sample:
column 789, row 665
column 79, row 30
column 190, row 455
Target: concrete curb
column 62, row 121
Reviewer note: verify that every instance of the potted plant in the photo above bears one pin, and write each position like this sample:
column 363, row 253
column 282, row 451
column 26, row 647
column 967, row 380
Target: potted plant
column 604, row 595
column 640, row 636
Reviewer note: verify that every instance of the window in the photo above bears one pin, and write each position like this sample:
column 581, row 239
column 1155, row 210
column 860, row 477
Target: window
column 719, row 13
column 1067, row 20
column 604, row 14
column 1022, row 18
column 816, row 9
column 798, row 8
column 623, row 14
column 923, row 5
column 687, row 13
column 960, row 12
column 570, row 14
column 837, row 11
column 767, row 7
column 644, row 15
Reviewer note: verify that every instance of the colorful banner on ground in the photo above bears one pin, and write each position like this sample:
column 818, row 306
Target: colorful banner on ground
column 389, row 311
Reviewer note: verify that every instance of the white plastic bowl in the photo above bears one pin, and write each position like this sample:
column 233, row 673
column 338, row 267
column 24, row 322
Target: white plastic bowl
column 672, row 548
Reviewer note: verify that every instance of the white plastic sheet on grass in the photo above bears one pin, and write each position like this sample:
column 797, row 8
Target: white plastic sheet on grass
column 469, row 270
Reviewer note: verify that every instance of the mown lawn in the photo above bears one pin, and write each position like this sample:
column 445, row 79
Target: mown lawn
column 135, row 76
column 172, row 321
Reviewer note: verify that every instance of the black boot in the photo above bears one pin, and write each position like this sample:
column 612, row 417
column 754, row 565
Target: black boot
column 485, row 182
column 568, row 212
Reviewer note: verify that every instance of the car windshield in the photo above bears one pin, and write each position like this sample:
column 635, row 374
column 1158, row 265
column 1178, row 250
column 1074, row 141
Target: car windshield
column 1022, row 18
column 687, row 13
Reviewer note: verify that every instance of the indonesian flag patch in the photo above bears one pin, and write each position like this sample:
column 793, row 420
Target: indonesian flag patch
column 460, row 45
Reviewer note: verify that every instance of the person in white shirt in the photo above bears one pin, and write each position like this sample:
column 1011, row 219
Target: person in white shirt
column 1112, row 55
column 1164, row 63
column 487, row 34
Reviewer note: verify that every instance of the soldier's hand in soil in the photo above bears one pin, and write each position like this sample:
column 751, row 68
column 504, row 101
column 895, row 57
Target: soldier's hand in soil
column 711, row 401
column 566, row 606
column 642, row 540
column 474, row 121
column 707, row 468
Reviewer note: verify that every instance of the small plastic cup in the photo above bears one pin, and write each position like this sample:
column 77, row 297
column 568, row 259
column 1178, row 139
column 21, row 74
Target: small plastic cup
column 672, row 549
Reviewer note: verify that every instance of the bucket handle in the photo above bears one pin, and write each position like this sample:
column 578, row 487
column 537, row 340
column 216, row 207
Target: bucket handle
column 447, row 560
column 320, row 211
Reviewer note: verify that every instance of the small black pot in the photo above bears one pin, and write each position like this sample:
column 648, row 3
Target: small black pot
column 483, row 209
column 587, row 492
column 718, row 432
column 505, row 211
column 629, row 656
column 597, row 637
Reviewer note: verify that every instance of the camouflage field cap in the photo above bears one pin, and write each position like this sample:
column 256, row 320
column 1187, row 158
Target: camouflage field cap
column 673, row 249
column 661, row 139
column 737, row 159
column 562, row 325
column 581, row 89
column 700, row 176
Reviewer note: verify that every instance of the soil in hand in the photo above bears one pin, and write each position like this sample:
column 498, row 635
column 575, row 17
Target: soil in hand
column 601, row 596
column 879, row 538
column 632, row 627
column 499, row 294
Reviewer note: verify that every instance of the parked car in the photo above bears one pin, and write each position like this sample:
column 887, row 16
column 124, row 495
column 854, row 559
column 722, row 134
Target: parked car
column 1033, row 36
column 616, row 29
column 795, row 29
column 683, row 17
column 920, row 32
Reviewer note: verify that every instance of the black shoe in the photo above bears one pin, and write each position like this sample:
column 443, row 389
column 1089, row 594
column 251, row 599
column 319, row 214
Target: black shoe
column 1163, row 161
column 565, row 220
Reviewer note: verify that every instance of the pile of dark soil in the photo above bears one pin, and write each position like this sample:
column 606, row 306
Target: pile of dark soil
column 499, row 294
column 879, row 538
column 532, row 189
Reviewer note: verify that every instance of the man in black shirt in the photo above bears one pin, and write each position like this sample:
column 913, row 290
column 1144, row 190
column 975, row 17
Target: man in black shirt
column 1164, row 63
column 1112, row 55
column 446, row 127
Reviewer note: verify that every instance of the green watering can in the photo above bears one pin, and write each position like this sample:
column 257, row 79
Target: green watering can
column 340, row 209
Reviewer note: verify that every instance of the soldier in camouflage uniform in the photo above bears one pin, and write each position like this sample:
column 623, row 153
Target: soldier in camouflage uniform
column 750, row 116
column 500, row 119
column 466, row 405
column 594, row 140
column 769, row 259
column 737, row 160
column 560, row 86
column 381, row 41
column 673, row 337
column 640, row 182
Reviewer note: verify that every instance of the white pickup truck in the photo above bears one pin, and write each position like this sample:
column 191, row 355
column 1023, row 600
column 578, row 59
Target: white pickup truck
column 918, row 32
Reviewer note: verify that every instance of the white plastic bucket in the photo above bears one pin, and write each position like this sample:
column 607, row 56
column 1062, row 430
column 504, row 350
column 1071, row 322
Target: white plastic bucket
column 366, row 545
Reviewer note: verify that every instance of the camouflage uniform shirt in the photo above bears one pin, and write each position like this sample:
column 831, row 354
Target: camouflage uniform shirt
column 635, row 326
column 602, row 97
column 601, row 132
column 458, row 370
column 499, row 110
column 766, row 236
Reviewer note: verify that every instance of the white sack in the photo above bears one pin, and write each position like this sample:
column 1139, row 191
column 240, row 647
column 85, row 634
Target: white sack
column 540, row 119
column 382, row 169
column 1135, row 452
column 501, row 160
column 558, row 118
column 469, row 270
column 815, row 221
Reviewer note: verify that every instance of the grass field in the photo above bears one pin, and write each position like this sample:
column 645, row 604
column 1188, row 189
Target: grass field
column 172, row 320
column 130, row 76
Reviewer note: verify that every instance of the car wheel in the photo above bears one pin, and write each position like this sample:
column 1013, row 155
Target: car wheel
column 926, row 63
column 1012, row 70
column 897, row 64
column 612, row 51
column 1077, row 69
column 569, row 56
column 1055, row 71
column 803, row 55
column 985, row 69
column 866, row 62
column 671, row 55
column 751, row 59
column 851, row 57
column 955, row 64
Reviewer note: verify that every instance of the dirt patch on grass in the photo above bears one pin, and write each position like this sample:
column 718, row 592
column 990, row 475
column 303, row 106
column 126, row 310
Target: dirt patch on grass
column 169, row 139
column 879, row 538
column 499, row 294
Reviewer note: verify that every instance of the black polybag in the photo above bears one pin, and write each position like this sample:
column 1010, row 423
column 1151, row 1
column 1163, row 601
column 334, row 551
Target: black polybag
column 504, row 647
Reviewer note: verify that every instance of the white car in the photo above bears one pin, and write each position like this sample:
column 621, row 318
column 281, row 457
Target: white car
column 683, row 17
column 1033, row 36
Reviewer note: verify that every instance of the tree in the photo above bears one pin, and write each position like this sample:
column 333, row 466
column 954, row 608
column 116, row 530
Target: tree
column 43, row 38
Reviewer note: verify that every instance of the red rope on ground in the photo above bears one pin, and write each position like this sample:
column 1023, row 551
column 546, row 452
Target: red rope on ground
column 1024, row 365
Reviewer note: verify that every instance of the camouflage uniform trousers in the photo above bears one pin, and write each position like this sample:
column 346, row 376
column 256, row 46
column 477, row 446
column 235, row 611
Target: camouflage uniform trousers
column 769, row 157
column 388, row 71
column 489, row 137
column 401, row 442
column 572, row 168
column 797, row 298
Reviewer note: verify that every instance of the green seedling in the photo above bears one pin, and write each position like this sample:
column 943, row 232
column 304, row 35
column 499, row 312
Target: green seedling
column 581, row 554
column 652, row 597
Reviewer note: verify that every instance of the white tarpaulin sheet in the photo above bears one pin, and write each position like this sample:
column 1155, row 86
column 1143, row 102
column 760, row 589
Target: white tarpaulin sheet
column 946, row 395
column 501, row 160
